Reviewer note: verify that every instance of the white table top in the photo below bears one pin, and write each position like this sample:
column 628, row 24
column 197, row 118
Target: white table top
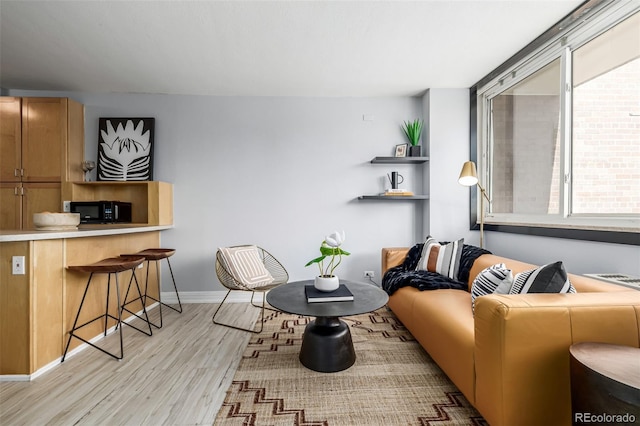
column 81, row 232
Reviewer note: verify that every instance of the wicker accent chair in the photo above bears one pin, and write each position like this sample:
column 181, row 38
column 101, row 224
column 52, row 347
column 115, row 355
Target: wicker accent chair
column 227, row 279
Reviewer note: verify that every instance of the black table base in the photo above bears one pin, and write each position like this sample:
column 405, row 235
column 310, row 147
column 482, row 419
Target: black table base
column 327, row 346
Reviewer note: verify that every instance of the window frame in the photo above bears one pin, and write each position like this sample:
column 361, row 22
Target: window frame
column 585, row 23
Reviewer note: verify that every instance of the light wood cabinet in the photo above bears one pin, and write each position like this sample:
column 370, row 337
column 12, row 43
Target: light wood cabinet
column 19, row 201
column 10, row 205
column 42, row 146
column 10, row 139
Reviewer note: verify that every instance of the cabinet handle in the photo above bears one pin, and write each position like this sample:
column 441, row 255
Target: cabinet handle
column 15, row 191
column 21, row 172
column 15, row 172
column 22, row 190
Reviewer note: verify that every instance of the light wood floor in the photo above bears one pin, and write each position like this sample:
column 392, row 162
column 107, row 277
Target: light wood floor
column 177, row 376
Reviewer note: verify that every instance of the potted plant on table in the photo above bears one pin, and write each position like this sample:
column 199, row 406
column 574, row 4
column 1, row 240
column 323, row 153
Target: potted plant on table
column 413, row 130
column 329, row 249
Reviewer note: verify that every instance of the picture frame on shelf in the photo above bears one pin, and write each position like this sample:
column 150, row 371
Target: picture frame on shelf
column 401, row 150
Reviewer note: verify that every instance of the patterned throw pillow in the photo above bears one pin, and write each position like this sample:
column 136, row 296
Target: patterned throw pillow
column 245, row 265
column 443, row 259
column 494, row 279
column 550, row 278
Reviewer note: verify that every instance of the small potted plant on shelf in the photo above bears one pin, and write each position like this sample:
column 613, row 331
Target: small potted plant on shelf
column 330, row 248
column 413, row 130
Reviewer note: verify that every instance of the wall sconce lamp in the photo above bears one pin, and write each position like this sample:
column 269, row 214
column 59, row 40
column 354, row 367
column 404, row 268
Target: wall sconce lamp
column 469, row 177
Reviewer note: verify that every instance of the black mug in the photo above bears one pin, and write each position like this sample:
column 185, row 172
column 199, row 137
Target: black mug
column 395, row 179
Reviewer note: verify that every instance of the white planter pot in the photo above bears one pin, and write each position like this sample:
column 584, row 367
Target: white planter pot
column 327, row 283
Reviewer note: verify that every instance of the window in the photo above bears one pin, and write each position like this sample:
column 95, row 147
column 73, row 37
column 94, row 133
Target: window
column 606, row 122
column 559, row 130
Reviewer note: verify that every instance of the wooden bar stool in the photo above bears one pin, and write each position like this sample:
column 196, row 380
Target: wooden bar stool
column 156, row 255
column 113, row 265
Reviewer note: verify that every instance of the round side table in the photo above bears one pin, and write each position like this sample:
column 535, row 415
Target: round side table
column 605, row 383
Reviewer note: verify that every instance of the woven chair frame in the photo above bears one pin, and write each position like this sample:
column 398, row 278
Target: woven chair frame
column 275, row 268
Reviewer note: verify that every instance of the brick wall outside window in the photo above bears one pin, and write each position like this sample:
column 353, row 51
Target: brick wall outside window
column 606, row 142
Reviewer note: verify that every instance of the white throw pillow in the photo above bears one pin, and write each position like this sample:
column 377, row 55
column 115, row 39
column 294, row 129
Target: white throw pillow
column 245, row 265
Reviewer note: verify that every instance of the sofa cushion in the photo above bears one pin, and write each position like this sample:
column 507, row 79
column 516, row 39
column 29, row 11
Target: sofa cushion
column 550, row 278
column 494, row 279
column 442, row 259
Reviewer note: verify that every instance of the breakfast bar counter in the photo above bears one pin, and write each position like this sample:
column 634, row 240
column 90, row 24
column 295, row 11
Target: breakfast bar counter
column 38, row 305
column 82, row 232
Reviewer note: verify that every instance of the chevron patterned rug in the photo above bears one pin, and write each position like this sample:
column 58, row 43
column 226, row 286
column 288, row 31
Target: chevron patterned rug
column 393, row 381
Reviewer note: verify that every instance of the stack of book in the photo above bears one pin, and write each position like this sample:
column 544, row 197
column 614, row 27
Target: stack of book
column 398, row 192
column 342, row 294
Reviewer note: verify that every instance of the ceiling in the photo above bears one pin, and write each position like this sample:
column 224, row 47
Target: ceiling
column 264, row 48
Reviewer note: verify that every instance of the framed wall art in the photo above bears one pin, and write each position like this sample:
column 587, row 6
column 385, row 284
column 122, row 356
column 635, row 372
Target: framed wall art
column 125, row 149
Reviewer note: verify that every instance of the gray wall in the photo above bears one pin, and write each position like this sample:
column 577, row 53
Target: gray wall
column 283, row 172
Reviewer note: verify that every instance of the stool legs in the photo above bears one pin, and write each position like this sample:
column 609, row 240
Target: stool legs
column 159, row 299
column 175, row 287
column 106, row 316
column 120, row 309
column 144, row 308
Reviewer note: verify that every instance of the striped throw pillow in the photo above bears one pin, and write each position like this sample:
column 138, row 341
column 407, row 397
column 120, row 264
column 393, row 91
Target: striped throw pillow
column 550, row 278
column 442, row 259
column 494, row 279
column 245, row 265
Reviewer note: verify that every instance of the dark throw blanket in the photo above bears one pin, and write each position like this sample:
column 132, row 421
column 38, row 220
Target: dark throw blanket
column 405, row 275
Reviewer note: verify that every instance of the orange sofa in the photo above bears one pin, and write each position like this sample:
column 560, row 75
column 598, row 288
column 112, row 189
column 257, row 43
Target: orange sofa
column 510, row 358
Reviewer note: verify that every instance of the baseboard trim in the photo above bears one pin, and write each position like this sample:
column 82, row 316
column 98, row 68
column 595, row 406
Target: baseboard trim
column 208, row 297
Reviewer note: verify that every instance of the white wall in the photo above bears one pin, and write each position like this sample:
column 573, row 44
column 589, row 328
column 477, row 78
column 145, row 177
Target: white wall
column 277, row 172
column 448, row 111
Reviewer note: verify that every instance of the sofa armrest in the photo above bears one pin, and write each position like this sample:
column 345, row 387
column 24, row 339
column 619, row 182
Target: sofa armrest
column 393, row 256
column 522, row 349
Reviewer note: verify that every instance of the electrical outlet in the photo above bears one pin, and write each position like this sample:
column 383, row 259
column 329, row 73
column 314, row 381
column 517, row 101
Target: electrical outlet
column 17, row 263
column 369, row 274
column 66, row 206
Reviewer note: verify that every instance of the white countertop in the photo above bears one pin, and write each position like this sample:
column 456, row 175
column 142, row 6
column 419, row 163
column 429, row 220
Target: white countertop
column 82, row 231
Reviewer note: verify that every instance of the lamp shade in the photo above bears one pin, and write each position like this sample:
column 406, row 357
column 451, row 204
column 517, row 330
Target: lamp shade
column 468, row 175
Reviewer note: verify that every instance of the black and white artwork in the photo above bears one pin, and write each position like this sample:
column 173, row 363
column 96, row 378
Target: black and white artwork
column 125, row 149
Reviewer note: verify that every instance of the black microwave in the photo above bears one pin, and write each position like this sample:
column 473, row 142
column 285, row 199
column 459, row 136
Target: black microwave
column 102, row 211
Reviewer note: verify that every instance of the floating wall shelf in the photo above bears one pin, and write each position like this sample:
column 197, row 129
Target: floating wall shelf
column 394, row 197
column 399, row 160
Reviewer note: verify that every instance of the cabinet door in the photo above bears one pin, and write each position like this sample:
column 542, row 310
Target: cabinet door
column 38, row 198
column 10, row 139
column 10, row 206
column 44, row 136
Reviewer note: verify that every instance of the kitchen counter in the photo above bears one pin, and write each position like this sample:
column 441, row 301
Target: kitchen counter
column 82, row 231
column 37, row 308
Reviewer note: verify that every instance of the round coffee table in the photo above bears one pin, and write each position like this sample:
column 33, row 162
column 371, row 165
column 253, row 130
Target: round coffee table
column 326, row 344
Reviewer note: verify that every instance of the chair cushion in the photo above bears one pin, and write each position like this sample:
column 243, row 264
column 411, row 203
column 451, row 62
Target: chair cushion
column 245, row 266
